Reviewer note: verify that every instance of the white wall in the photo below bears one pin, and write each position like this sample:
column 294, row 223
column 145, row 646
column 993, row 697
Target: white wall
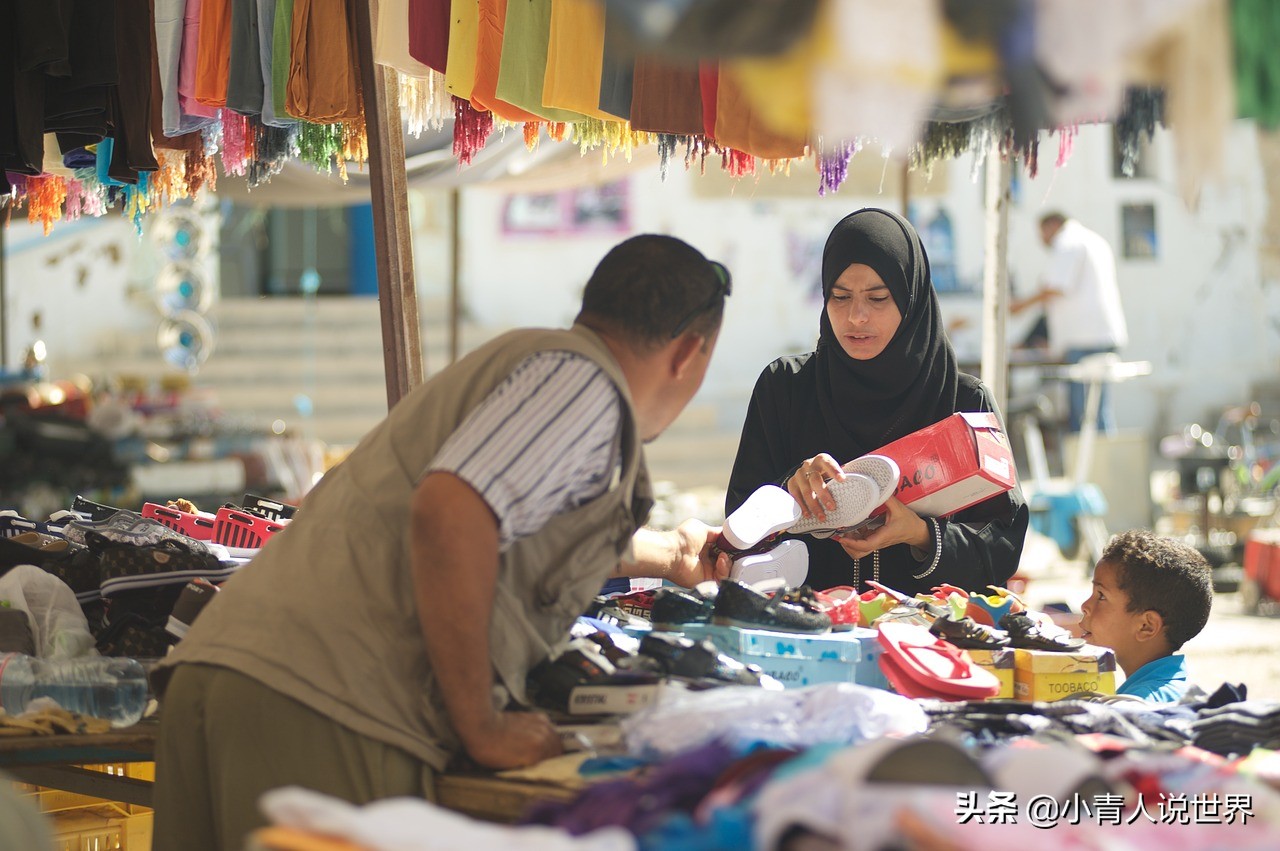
column 1199, row 312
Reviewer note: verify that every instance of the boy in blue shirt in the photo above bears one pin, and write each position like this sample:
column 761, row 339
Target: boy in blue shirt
column 1150, row 596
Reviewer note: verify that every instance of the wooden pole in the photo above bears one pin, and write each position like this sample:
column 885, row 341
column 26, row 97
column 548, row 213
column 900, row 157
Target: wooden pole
column 455, row 273
column 397, row 293
column 995, row 278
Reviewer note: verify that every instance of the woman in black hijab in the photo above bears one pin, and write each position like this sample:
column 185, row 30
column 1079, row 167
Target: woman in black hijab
column 883, row 369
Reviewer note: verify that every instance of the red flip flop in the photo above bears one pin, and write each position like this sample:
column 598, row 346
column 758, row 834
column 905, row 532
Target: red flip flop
column 936, row 664
column 906, row 686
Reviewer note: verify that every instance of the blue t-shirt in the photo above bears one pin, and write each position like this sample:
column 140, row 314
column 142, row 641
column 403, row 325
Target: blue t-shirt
column 1162, row 680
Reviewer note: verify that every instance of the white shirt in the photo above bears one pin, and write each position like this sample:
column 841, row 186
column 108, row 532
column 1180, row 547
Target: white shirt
column 1088, row 313
column 543, row 442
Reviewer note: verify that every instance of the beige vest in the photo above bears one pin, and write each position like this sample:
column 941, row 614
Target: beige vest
column 326, row 615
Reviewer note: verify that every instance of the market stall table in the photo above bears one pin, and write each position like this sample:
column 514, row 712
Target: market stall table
column 56, row 762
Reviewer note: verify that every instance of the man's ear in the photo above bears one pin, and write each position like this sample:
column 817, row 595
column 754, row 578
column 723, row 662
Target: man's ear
column 683, row 351
column 1150, row 625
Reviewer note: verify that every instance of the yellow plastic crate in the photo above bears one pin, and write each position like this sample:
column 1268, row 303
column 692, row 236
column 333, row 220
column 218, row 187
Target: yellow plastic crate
column 84, row 823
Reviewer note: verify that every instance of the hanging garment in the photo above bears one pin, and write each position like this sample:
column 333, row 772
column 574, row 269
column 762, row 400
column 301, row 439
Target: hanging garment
column 43, row 29
column 1255, row 31
column 80, row 103
column 575, row 49
column 780, row 88
column 271, row 116
column 281, row 45
column 132, row 105
column 523, row 67
column 324, row 79
column 666, row 97
column 690, row 30
column 391, row 39
column 244, row 77
column 493, row 17
column 170, row 25
column 188, row 63
column 22, row 114
column 738, row 127
column 464, row 30
column 191, row 142
column 884, row 75
column 709, row 82
column 429, row 33
column 616, row 71
column 213, row 57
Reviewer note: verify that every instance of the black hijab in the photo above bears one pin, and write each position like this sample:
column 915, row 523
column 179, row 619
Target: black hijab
column 913, row 382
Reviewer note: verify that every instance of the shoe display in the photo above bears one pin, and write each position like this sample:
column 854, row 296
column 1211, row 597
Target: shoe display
column 126, row 527
column 167, row 563
column 195, row 595
column 788, row 561
column 1029, row 633
column 968, row 634
column 841, row 604
column 676, row 607
column 937, row 665
column 741, row 605
column 768, row 511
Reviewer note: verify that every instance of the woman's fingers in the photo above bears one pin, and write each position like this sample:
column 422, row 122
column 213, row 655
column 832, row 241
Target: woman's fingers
column 808, row 485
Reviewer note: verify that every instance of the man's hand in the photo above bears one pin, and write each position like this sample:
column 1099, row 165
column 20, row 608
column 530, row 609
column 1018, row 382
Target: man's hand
column 512, row 740
column 697, row 560
column 901, row 526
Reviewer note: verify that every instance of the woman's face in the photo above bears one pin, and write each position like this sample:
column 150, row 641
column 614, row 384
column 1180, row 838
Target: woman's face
column 862, row 312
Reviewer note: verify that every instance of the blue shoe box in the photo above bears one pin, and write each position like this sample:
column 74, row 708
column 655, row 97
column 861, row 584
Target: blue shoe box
column 801, row 660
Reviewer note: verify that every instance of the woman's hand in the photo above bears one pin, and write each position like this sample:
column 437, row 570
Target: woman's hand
column 901, row 526
column 808, row 485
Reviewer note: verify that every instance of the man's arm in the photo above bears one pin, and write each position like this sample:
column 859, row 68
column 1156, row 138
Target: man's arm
column 684, row 556
column 454, row 553
column 1046, row 295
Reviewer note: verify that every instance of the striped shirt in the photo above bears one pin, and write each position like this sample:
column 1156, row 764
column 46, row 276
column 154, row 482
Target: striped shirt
column 544, row 442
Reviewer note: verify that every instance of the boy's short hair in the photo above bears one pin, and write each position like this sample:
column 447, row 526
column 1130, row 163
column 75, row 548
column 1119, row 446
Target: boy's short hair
column 1163, row 575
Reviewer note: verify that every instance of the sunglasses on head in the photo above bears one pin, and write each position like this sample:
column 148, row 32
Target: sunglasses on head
column 724, row 288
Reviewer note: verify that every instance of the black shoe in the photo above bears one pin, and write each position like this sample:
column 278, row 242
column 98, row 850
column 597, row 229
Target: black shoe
column 682, row 657
column 1030, row 634
column 743, row 606
column 968, row 634
column 675, row 607
column 195, row 595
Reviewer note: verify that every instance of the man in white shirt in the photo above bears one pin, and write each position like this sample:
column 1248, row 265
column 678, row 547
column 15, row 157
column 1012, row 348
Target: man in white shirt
column 1082, row 303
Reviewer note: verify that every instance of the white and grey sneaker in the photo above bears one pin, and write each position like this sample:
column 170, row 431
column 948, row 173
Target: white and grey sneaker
column 856, row 497
column 768, row 511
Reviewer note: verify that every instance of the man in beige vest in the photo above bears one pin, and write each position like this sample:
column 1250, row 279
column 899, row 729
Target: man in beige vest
column 390, row 627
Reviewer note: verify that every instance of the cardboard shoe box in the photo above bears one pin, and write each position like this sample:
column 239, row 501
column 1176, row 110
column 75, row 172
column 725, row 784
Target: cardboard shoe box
column 951, row 465
column 1000, row 663
column 796, row 659
column 1045, row 675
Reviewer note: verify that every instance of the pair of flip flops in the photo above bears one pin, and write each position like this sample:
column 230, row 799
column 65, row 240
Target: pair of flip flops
column 919, row 664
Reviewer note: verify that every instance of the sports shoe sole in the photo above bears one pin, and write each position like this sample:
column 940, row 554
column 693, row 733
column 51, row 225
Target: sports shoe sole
column 856, row 497
column 789, row 562
column 766, row 512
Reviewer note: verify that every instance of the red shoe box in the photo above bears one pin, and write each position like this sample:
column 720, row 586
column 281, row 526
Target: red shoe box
column 1262, row 561
column 953, row 464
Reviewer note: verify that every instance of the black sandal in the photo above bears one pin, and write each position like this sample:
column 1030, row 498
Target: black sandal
column 968, row 634
column 1030, row 634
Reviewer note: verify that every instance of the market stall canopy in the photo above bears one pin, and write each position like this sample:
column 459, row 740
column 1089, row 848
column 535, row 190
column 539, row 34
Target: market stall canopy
column 429, row 164
column 749, row 84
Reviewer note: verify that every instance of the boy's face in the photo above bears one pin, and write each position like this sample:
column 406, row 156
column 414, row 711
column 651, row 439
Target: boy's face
column 1107, row 622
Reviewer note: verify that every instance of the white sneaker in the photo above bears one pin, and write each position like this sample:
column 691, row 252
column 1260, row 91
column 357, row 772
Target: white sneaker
column 856, row 497
column 766, row 512
column 788, row 562
column 881, row 469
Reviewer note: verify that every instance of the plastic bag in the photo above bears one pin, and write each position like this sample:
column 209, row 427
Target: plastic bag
column 58, row 623
column 837, row 713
